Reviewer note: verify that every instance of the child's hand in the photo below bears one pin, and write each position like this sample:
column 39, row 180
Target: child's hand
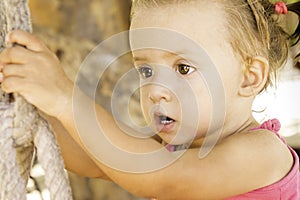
column 34, row 72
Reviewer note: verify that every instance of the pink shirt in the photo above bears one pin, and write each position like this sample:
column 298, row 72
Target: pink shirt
column 287, row 188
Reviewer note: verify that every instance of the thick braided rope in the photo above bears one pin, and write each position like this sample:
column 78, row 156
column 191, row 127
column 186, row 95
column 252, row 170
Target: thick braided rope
column 22, row 128
column 12, row 185
column 48, row 152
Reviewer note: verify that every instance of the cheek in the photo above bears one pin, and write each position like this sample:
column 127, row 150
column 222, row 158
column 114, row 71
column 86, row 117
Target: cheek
column 145, row 104
column 201, row 91
column 230, row 71
column 205, row 111
column 232, row 80
column 204, row 102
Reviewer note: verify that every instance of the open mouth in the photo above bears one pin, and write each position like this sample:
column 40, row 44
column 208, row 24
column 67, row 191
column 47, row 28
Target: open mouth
column 165, row 120
column 164, row 123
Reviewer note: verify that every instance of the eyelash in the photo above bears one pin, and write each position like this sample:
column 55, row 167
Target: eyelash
column 146, row 71
column 189, row 69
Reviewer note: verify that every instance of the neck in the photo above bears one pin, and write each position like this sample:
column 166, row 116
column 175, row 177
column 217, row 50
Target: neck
column 226, row 132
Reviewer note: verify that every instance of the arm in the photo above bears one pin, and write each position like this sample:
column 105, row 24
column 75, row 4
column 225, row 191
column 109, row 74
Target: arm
column 80, row 164
column 230, row 169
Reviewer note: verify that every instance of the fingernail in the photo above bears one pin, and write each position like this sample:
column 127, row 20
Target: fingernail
column 7, row 38
column 1, row 77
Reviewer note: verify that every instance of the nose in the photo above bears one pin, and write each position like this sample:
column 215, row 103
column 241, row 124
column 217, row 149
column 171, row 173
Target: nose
column 158, row 93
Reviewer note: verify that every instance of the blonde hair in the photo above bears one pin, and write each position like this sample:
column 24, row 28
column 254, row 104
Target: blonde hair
column 251, row 20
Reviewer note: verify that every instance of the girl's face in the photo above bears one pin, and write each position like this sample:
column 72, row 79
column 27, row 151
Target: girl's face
column 165, row 102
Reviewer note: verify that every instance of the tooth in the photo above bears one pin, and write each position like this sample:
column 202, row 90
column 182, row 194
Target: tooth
column 166, row 121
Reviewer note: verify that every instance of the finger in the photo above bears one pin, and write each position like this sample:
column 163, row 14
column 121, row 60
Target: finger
column 25, row 39
column 13, row 84
column 14, row 70
column 15, row 55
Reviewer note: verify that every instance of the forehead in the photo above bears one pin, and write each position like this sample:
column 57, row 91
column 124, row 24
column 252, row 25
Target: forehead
column 203, row 23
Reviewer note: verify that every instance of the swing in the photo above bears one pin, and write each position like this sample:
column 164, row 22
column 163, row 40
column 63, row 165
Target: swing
column 23, row 130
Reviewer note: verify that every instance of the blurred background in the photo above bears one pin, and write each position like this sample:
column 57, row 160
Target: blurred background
column 72, row 28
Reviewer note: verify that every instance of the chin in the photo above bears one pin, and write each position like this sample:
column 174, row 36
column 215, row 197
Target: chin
column 173, row 140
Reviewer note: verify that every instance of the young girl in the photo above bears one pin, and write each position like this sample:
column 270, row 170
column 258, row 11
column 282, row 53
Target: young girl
column 246, row 45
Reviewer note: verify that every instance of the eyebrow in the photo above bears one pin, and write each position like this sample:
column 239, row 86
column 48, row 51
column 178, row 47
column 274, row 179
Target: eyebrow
column 139, row 58
column 165, row 55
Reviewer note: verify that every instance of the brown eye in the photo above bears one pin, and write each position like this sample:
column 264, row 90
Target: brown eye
column 184, row 69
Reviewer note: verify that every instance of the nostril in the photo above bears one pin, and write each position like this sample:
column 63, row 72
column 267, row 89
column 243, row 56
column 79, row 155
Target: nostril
column 158, row 93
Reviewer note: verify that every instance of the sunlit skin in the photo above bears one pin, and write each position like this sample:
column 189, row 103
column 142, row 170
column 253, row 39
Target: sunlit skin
column 224, row 172
column 149, row 63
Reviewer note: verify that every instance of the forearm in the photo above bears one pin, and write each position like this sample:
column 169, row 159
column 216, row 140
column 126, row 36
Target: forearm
column 162, row 182
column 82, row 103
column 135, row 183
column 75, row 158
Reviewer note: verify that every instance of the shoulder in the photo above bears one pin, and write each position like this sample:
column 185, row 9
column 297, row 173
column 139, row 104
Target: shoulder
column 263, row 143
column 266, row 158
column 238, row 164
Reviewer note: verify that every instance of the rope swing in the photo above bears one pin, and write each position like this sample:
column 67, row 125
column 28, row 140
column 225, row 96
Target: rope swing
column 23, row 131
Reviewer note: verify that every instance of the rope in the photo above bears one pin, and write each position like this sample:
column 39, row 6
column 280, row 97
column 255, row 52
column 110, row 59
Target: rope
column 22, row 129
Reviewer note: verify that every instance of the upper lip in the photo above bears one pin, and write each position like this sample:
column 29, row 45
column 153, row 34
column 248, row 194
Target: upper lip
column 160, row 115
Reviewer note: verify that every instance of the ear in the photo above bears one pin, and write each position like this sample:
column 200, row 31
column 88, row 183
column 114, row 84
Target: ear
column 254, row 77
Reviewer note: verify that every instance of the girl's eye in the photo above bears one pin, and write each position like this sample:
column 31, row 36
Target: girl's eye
column 145, row 71
column 184, row 69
